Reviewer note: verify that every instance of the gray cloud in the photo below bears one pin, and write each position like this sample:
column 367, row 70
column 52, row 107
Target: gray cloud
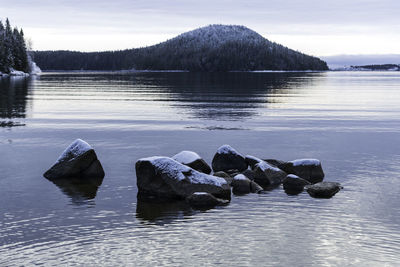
column 168, row 18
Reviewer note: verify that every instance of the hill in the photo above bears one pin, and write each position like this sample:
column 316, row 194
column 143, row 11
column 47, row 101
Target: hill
column 211, row 48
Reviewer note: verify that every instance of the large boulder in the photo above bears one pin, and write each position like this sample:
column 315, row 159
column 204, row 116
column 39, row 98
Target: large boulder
column 166, row 178
column 323, row 189
column 268, row 175
column 243, row 185
column 193, row 160
column 204, row 200
column 308, row 169
column 78, row 161
column 228, row 158
column 293, row 184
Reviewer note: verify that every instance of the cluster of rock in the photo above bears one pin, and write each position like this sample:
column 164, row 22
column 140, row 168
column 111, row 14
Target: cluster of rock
column 187, row 176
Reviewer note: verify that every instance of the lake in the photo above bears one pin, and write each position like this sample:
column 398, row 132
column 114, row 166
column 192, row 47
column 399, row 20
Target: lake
column 348, row 120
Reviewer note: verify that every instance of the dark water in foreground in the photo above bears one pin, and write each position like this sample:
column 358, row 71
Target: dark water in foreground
column 349, row 120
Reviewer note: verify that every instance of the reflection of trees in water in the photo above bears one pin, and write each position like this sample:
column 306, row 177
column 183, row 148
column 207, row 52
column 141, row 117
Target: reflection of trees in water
column 78, row 189
column 225, row 96
column 13, row 95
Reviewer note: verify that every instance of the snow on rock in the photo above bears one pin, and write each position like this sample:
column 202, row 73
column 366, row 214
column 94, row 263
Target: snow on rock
column 303, row 162
column 267, row 175
column 193, row 160
column 186, row 157
column 265, row 166
column 308, row 169
column 227, row 158
column 78, row 161
column 74, row 150
column 17, row 73
column 227, row 149
column 182, row 172
column 240, row 177
column 35, row 70
column 166, row 177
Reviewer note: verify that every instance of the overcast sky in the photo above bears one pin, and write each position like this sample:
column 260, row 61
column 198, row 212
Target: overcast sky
column 317, row 27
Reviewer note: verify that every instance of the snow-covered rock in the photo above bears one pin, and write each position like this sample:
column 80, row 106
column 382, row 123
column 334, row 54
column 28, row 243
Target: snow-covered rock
column 227, row 158
column 323, row 189
column 267, row 175
column 293, row 184
column 35, row 70
column 17, row 73
column 252, row 161
column 193, row 160
column 204, row 200
column 77, row 161
column 308, row 169
column 243, row 185
column 165, row 177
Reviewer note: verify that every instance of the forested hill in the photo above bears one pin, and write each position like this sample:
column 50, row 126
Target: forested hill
column 211, row 48
column 13, row 52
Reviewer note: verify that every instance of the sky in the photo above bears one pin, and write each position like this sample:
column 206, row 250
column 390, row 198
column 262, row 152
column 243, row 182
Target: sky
column 315, row 27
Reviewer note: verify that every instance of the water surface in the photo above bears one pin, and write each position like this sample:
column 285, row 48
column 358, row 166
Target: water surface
column 348, row 120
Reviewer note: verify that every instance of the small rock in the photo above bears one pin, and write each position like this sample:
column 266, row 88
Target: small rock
column 293, row 184
column 323, row 189
column 164, row 177
column 204, row 200
column 243, row 185
column 228, row 158
column 268, row 175
column 193, row 160
column 308, row 169
column 78, row 161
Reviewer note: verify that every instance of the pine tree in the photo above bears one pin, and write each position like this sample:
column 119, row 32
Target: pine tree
column 2, row 48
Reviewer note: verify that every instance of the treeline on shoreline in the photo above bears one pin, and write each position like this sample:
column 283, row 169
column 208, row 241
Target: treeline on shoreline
column 212, row 48
column 13, row 50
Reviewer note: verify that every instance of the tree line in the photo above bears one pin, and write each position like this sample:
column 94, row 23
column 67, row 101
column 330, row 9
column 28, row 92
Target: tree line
column 13, row 50
column 213, row 48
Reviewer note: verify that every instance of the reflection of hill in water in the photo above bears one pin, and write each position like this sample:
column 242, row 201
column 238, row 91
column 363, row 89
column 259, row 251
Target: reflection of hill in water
column 13, row 95
column 224, row 96
column 78, row 189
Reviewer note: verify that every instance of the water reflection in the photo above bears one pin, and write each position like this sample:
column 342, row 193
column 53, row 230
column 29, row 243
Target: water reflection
column 13, row 95
column 78, row 189
column 161, row 212
column 225, row 96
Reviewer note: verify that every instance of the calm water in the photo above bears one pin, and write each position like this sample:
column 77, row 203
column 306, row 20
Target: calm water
column 348, row 120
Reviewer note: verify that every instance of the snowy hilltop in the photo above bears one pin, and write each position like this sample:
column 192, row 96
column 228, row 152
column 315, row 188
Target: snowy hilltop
column 210, row 48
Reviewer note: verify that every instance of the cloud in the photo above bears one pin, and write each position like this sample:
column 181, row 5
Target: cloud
column 142, row 21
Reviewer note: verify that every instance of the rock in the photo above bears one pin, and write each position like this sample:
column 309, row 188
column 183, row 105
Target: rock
column 249, row 174
column 323, row 189
column 204, row 200
column 164, row 177
column 293, row 184
column 228, row 158
column 224, row 175
column 78, row 161
column 308, row 169
column 252, row 161
column 268, row 175
column 275, row 162
column 243, row 185
column 193, row 160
